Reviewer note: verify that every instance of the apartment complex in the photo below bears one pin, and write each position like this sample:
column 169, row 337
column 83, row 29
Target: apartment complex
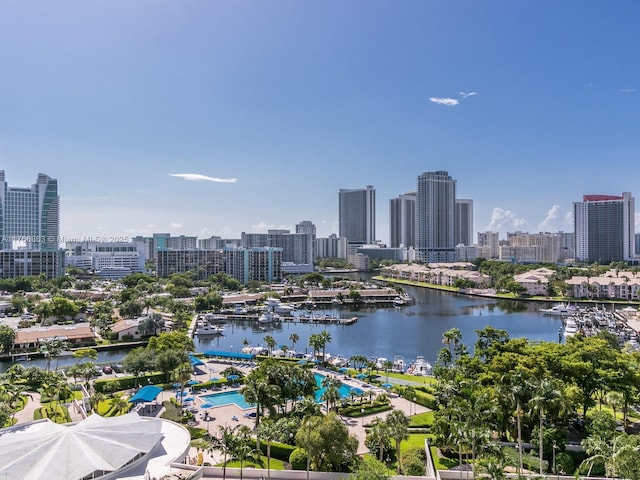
column 357, row 215
column 604, row 227
column 435, row 217
column 402, row 220
column 30, row 229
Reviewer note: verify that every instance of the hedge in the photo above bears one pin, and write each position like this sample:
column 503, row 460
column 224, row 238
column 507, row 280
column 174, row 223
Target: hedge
column 354, row 411
column 280, row 451
column 124, row 383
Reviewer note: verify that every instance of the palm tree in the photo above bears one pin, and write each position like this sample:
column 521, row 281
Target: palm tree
column 545, row 392
column 270, row 342
column 325, row 337
column 258, row 391
column 387, row 365
column 120, row 404
column 293, row 338
column 398, row 425
column 243, row 453
column 378, row 435
column 331, row 394
column 225, row 442
column 94, row 401
column 315, row 342
column 181, row 375
column 268, row 431
column 52, row 348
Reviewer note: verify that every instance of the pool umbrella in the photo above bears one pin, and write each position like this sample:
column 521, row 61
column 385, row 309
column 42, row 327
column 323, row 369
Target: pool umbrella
column 206, row 405
column 192, row 382
column 233, row 377
column 302, row 362
column 343, row 370
column 361, row 375
column 387, row 385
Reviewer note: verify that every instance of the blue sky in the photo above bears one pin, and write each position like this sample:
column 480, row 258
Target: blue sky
column 295, row 100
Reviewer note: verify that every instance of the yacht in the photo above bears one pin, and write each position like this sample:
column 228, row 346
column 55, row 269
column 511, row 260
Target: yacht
column 398, row 364
column 570, row 328
column 339, row 361
column 276, row 306
column 206, row 329
column 560, row 310
column 268, row 317
column 421, row 367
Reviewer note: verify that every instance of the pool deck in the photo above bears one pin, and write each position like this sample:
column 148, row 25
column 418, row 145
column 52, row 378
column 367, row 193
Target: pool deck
column 232, row 415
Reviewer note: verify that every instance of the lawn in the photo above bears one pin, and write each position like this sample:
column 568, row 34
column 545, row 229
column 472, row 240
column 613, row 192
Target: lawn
column 275, row 464
column 421, row 420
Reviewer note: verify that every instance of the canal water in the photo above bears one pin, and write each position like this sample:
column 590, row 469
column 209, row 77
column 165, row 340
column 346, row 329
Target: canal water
column 409, row 331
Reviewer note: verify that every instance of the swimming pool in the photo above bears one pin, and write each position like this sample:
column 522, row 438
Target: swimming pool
column 228, row 398
column 344, row 390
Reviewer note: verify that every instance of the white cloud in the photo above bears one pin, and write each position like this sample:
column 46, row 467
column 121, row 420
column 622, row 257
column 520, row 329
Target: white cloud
column 548, row 224
column 627, row 90
column 196, row 177
column 176, row 225
column 467, row 94
column 449, row 102
column 504, row 218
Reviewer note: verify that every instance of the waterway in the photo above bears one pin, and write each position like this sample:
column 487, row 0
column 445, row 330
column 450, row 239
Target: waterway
column 408, row 331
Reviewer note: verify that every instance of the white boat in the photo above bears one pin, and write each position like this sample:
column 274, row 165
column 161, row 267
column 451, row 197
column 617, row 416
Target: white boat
column 268, row 317
column 560, row 309
column 570, row 328
column 206, row 329
column 402, row 300
column 339, row 361
column 276, row 306
column 421, row 367
column 211, row 318
column 398, row 364
column 380, row 363
column 238, row 309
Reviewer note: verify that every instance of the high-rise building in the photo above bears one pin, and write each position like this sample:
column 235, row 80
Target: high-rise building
column 357, row 215
column 464, row 222
column 402, row 220
column 604, row 226
column 30, row 217
column 435, row 217
column 491, row 240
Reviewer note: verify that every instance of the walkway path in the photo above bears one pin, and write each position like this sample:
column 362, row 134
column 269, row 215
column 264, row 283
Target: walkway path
column 33, row 403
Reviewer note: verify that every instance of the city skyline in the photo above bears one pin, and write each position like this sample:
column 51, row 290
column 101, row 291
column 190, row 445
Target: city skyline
column 220, row 118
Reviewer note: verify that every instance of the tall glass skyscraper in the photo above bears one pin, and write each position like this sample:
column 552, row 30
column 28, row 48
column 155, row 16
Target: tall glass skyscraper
column 357, row 215
column 402, row 220
column 435, row 217
column 604, row 227
column 30, row 217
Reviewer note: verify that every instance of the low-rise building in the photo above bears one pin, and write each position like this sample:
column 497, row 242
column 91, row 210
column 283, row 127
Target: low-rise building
column 78, row 335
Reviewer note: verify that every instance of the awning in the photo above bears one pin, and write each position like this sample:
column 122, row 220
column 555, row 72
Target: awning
column 148, row 393
column 219, row 353
column 195, row 361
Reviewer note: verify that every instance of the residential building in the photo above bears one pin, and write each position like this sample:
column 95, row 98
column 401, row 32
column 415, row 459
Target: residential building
column 604, row 227
column 296, row 248
column 464, row 222
column 549, row 244
column 260, row 264
column 435, row 217
column 402, row 220
column 23, row 263
column 202, row 263
column 357, row 215
column 490, row 240
column 114, row 259
column 331, row 247
column 30, row 217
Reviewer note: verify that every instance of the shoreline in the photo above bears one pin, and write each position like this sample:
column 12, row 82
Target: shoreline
column 496, row 296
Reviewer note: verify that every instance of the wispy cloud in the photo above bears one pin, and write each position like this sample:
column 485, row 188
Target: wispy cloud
column 549, row 222
column 627, row 90
column 467, row 94
column 196, row 177
column 449, row 102
column 501, row 217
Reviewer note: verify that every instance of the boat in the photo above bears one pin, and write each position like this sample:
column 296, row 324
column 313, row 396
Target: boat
column 276, row 306
column 421, row 367
column 402, row 300
column 380, row 363
column 339, row 361
column 206, row 329
column 268, row 317
column 211, row 318
column 398, row 364
column 239, row 309
column 570, row 327
column 560, row 309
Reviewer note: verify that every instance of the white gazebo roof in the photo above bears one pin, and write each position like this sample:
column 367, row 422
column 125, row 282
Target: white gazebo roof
column 96, row 444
